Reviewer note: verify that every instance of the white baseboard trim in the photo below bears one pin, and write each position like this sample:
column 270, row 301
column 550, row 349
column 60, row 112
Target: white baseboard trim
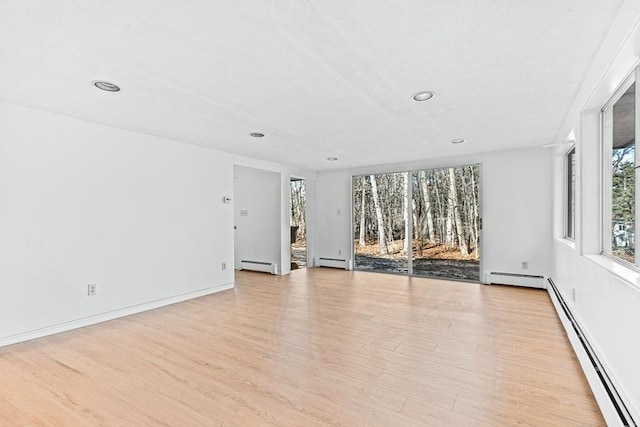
column 110, row 315
column 516, row 279
column 605, row 398
column 263, row 266
column 334, row 263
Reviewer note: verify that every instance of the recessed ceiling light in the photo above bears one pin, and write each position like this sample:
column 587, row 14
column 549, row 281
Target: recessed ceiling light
column 457, row 141
column 109, row 87
column 424, row 95
column 256, row 134
column 332, row 159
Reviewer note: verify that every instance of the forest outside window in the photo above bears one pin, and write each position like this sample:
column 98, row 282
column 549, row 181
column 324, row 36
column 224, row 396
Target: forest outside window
column 570, row 231
column 620, row 129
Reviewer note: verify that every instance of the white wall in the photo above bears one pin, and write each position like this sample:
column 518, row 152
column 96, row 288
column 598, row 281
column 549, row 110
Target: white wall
column 607, row 295
column 140, row 216
column 257, row 234
column 516, row 208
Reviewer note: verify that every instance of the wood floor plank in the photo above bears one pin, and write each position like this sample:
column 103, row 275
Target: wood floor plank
column 317, row 347
column 436, row 416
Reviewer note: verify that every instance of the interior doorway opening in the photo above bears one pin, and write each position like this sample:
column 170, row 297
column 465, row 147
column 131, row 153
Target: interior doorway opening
column 298, row 224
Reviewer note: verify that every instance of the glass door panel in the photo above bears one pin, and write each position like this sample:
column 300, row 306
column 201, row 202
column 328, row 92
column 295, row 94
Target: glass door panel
column 380, row 207
column 446, row 223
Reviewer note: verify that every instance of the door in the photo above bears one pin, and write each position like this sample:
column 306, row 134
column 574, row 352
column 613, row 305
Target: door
column 447, row 223
column 423, row 223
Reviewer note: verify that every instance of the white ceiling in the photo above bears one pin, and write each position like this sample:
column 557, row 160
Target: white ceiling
column 320, row 79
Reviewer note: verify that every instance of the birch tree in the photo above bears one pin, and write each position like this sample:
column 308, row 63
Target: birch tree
column 453, row 196
column 362, row 241
column 427, row 206
column 382, row 241
column 405, row 204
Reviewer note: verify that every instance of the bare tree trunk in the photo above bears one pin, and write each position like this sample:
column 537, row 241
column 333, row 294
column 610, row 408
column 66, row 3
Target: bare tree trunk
column 389, row 223
column 382, row 242
column 448, row 236
column 448, row 230
column 407, row 236
column 441, row 238
column 416, row 227
column 427, row 205
column 298, row 206
column 362, row 241
column 467, row 208
column 453, row 197
column 475, row 211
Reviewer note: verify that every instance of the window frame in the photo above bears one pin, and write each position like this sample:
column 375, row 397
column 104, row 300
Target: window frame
column 606, row 143
column 570, row 190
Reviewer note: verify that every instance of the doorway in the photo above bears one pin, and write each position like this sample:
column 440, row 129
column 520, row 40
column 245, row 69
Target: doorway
column 298, row 224
column 423, row 222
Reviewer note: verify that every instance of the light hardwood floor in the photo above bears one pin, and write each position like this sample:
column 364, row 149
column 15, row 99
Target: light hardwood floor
column 317, row 347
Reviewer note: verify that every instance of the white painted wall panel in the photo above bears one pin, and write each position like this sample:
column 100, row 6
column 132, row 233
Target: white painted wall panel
column 140, row 216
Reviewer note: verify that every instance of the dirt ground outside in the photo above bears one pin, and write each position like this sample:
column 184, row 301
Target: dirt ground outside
column 435, row 261
column 298, row 256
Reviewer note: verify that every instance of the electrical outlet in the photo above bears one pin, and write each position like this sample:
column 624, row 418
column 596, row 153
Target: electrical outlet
column 525, row 265
column 91, row 289
column 339, row 251
column 573, row 294
column 224, row 265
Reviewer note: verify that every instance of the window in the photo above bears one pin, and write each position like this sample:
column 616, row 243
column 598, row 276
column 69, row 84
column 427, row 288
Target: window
column 570, row 232
column 619, row 133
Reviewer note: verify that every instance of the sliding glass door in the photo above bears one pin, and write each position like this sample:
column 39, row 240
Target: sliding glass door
column 424, row 222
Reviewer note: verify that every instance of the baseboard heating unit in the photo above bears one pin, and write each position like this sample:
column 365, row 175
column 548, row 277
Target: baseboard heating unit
column 265, row 267
column 332, row 262
column 530, row 280
column 611, row 404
